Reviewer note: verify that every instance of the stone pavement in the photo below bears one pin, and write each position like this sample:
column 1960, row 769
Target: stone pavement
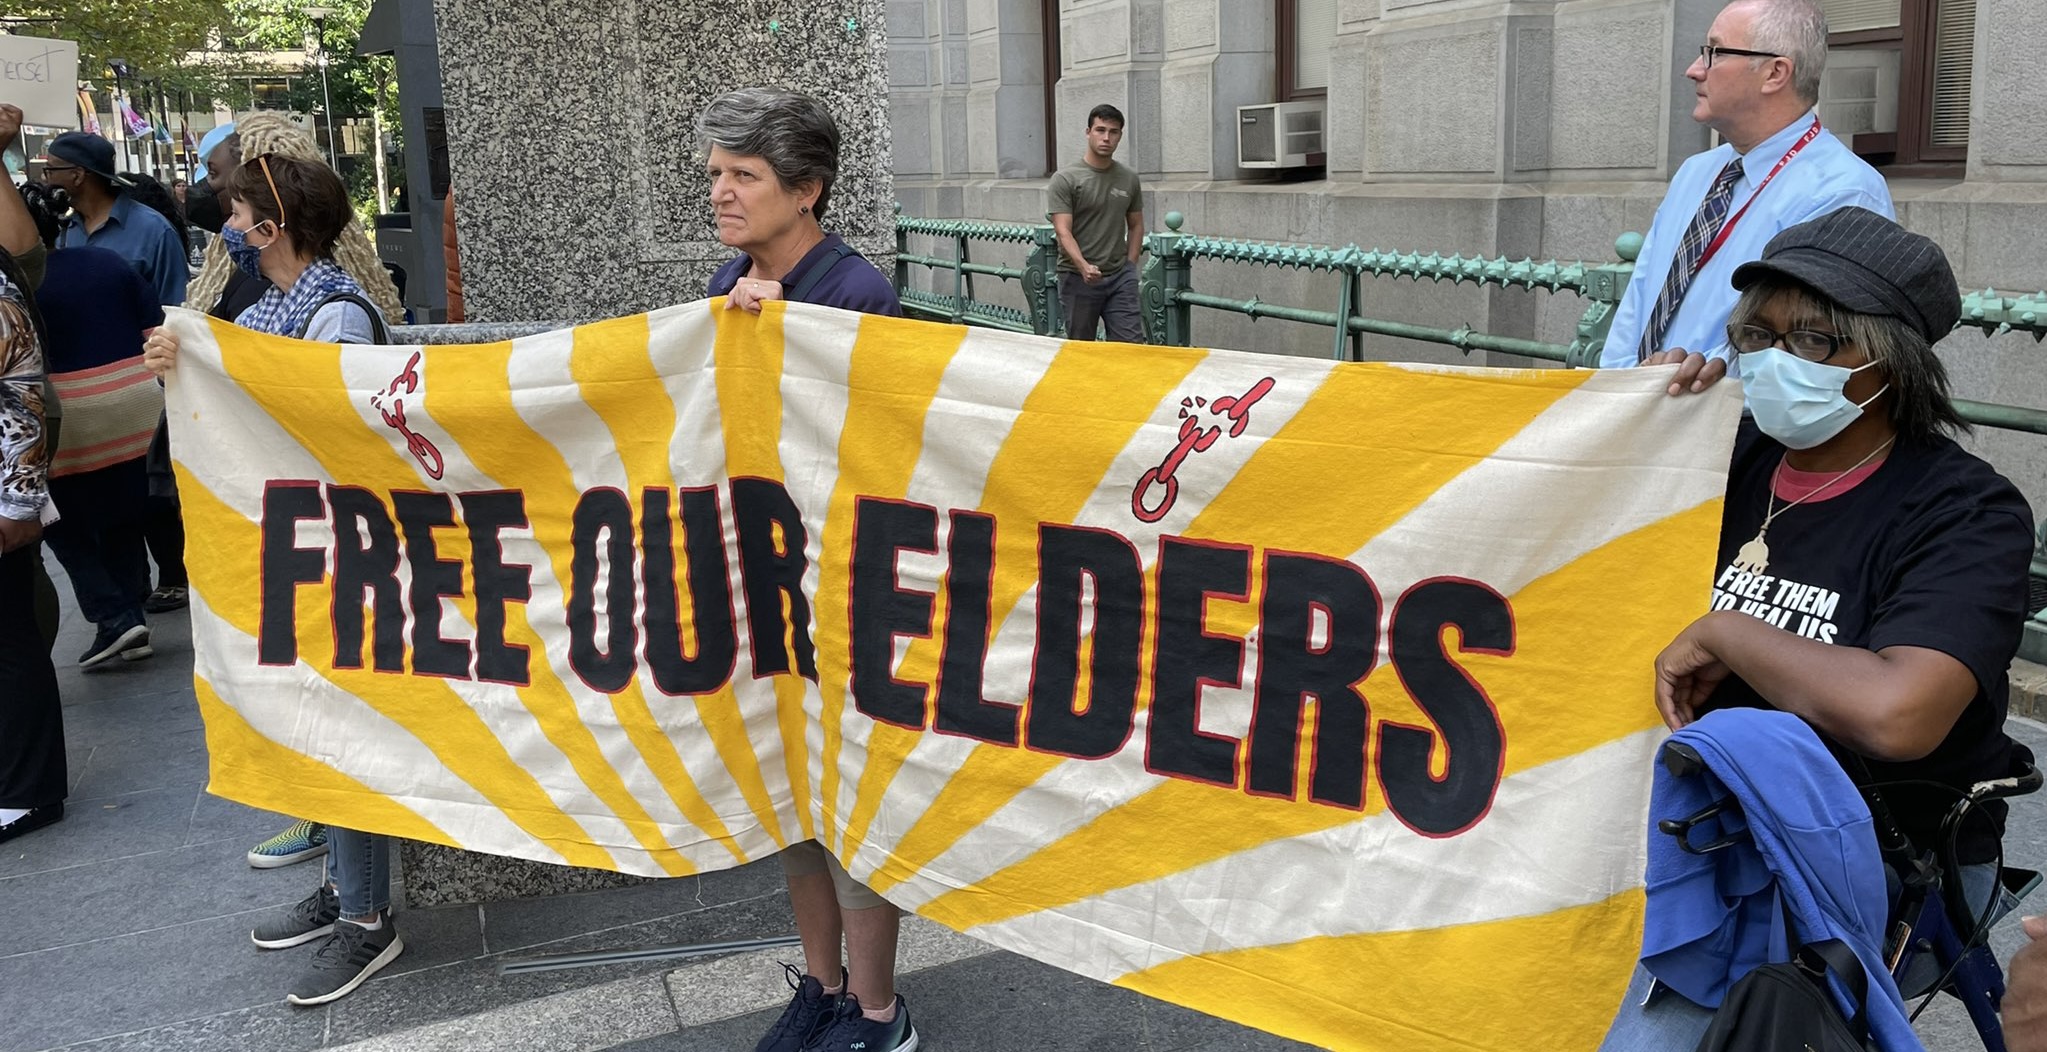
column 125, row 929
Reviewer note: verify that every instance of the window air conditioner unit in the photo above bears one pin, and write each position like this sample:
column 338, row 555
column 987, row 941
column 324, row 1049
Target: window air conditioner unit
column 1280, row 135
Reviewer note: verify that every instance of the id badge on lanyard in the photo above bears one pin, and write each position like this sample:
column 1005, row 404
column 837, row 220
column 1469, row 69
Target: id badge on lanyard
column 1728, row 227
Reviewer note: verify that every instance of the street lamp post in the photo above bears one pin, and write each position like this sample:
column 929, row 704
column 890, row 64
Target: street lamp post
column 319, row 17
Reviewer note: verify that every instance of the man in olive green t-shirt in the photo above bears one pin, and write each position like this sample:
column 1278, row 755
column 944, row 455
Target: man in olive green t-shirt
column 1097, row 207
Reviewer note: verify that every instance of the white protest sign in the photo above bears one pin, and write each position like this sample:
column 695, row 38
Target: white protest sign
column 41, row 77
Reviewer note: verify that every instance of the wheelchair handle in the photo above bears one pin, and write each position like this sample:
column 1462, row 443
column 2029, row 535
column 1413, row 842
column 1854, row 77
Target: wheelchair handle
column 2020, row 784
column 1684, row 761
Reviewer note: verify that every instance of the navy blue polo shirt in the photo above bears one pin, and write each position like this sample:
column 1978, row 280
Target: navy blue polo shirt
column 852, row 283
column 96, row 307
column 136, row 233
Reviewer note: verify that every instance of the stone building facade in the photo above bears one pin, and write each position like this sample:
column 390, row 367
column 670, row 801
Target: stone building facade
column 1495, row 127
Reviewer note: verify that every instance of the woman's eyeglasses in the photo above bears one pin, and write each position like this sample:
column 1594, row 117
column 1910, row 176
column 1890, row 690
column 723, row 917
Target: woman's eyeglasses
column 263, row 161
column 1809, row 344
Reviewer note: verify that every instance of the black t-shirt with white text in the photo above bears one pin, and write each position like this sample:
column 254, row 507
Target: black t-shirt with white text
column 1930, row 550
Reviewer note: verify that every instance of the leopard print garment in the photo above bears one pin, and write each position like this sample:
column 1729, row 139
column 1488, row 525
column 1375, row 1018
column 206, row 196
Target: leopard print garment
column 24, row 462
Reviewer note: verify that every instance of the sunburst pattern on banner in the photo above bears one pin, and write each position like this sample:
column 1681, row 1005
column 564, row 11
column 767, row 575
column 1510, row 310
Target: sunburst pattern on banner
column 394, row 651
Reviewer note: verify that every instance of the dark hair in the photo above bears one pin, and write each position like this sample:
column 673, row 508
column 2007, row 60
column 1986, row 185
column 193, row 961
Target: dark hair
column 791, row 131
column 1105, row 112
column 46, row 206
column 310, row 200
column 146, row 190
column 178, row 182
column 1921, row 407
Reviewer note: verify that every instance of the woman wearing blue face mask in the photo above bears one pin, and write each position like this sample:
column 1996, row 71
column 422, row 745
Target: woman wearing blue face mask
column 287, row 216
column 1872, row 574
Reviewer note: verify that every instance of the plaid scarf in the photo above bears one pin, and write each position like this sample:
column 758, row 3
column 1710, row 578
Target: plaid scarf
column 286, row 313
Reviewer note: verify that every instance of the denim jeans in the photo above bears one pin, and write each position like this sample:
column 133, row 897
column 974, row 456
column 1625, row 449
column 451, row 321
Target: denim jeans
column 359, row 868
column 1660, row 1019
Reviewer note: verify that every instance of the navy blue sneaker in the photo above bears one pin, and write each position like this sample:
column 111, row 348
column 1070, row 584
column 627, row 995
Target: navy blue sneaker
column 806, row 1016
column 111, row 641
column 850, row 1031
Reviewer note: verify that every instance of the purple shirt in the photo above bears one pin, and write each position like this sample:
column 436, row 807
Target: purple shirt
column 850, row 282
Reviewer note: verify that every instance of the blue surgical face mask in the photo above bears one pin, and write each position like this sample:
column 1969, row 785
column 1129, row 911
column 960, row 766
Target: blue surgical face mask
column 247, row 257
column 1798, row 402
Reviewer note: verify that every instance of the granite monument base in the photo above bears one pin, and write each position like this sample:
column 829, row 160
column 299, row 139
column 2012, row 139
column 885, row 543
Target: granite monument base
column 443, row 876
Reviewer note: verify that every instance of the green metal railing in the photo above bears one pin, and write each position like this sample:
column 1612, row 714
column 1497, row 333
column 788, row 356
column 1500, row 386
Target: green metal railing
column 959, row 306
column 1168, row 296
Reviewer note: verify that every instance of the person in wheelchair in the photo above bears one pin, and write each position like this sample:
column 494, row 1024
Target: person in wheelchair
column 1871, row 577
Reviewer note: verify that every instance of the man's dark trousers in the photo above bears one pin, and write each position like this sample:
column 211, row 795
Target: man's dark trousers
column 99, row 540
column 1113, row 301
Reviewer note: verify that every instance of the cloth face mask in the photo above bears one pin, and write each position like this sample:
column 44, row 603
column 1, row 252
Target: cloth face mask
column 247, row 258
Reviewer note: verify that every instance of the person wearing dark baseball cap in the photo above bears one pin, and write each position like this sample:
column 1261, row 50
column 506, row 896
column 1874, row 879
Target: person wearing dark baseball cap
column 1871, row 576
column 104, row 215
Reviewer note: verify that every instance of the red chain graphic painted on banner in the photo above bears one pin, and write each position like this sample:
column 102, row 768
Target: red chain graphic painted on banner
column 1194, row 438
column 405, row 383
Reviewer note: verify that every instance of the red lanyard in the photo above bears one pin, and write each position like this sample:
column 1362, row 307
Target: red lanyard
column 1728, row 228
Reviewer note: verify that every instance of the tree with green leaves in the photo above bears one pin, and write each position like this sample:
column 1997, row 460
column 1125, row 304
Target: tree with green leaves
column 357, row 86
column 153, row 35
column 195, row 52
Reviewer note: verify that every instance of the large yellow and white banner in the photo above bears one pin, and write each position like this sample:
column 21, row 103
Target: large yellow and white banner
column 1316, row 696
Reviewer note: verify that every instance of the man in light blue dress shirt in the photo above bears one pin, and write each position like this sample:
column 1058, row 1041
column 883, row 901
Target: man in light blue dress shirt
column 1758, row 80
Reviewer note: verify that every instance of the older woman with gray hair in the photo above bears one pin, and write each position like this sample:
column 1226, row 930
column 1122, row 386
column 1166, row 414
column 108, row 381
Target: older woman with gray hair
column 772, row 156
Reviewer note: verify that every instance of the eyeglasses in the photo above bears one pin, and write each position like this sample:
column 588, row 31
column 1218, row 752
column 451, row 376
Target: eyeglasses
column 48, row 168
column 263, row 161
column 1709, row 52
column 1809, row 344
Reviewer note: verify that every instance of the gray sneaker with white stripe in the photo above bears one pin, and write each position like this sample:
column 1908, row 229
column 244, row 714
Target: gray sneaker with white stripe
column 345, row 961
column 311, row 918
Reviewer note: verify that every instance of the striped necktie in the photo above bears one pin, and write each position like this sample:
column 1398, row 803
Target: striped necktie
column 1685, row 265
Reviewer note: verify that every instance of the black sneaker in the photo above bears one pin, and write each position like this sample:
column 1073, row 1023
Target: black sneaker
column 349, row 957
column 310, row 919
column 109, row 642
column 850, row 1031
column 806, row 1015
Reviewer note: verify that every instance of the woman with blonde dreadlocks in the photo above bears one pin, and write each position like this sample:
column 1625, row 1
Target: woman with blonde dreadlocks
column 275, row 135
column 225, row 290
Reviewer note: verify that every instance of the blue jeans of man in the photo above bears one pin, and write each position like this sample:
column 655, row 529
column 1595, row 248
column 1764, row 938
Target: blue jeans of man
column 359, row 869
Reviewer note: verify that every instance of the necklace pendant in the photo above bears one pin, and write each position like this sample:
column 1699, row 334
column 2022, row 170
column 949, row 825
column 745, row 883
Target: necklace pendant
column 1754, row 557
